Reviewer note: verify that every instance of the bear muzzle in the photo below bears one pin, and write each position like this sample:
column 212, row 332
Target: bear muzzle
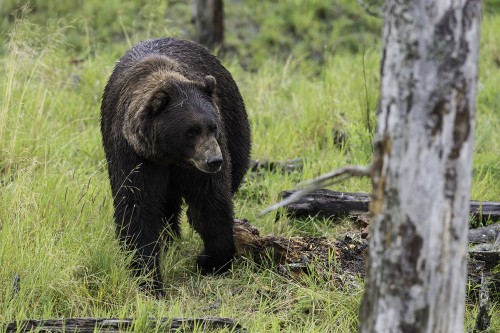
column 207, row 156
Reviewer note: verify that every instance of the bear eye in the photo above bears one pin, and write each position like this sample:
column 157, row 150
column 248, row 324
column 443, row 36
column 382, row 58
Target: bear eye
column 193, row 131
column 212, row 128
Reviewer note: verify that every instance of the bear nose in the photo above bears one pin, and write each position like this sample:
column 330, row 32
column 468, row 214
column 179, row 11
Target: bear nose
column 214, row 163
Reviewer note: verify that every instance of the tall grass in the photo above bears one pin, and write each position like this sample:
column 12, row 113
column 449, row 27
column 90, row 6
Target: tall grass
column 54, row 191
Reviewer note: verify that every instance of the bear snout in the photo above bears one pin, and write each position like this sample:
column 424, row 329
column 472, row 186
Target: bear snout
column 207, row 156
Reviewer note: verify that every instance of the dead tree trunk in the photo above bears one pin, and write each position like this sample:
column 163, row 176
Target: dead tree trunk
column 208, row 16
column 422, row 167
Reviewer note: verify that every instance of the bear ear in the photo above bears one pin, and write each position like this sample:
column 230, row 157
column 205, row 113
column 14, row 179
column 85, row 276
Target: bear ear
column 158, row 101
column 210, row 84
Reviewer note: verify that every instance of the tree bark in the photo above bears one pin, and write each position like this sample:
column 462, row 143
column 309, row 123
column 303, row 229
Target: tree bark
column 208, row 16
column 421, row 171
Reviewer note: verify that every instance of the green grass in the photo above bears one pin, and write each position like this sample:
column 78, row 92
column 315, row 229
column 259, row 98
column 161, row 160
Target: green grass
column 56, row 228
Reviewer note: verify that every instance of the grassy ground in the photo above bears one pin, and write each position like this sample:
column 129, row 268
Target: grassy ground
column 301, row 77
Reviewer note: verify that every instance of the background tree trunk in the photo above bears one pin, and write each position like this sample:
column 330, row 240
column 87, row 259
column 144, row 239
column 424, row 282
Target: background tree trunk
column 422, row 167
column 208, row 16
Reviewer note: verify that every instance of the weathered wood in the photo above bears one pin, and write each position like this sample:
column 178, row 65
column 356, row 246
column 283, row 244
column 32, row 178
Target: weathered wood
column 335, row 260
column 484, row 211
column 478, row 270
column 483, row 318
column 109, row 325
column 491, row 258
column 422, row 167
column 327, row 203
column 486, row 234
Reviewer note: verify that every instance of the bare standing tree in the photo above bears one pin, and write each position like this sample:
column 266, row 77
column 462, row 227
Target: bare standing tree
column 208, row 16
column 421, row 170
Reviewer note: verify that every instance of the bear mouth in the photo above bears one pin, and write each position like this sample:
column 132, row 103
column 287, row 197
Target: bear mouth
column 205, row 167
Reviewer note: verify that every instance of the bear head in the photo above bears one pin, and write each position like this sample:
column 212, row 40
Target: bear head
column 170, row 119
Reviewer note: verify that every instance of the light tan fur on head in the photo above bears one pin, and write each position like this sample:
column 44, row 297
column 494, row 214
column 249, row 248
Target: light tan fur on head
column 145, row 94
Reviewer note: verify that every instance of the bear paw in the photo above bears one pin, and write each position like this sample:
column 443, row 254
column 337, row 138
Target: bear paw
column 213, row 265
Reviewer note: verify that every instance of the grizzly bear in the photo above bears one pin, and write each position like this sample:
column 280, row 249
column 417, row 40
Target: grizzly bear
column 174, row 131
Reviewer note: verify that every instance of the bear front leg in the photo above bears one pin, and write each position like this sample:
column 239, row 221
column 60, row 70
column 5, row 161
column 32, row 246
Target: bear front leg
column 171, row 228
column 141, row 235
column 141, row 211
column 213, row 220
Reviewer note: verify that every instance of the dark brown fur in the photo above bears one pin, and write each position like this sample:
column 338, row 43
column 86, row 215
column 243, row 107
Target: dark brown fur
column 174, row 129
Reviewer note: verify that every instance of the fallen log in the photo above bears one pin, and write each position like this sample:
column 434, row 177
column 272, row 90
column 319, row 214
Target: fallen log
column 110, row 325
column 329, row 258
column 339, row 261
column 327, row 203
column 489, row 253
column 486, row 234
